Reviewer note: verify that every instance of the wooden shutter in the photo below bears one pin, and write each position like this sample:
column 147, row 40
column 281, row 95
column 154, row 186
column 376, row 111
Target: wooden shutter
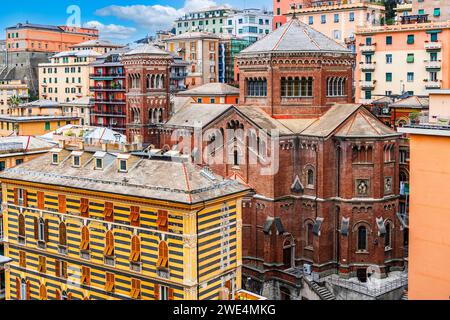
column 25, row 198
column 135, row 249
column 64, row 269
column 156, row 292
column 58, row 268
column 62, row 208
column 43, row 292
column 22, row 259
column 108, row 213
column 84, row 207
column 21, row 225
column 58, row 295
column 46, row 231
column 135, row 288
column 163, row 221
column 109, row 282
column 171, row 294
column 163, row 255
column 28, row 289
column 36, row 228
column 134, row 216
column 17, row 288
column 84, row 239
column 62, row 234
column 109, row 245
column 16, row 197
column 40, row 200
column 69, row 296
column 85, row 275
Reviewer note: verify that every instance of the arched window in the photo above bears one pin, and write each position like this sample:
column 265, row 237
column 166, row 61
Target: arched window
column 163, row 255
column 362, row 238
column 84, row 239
column 287, row 253
column 256, row 87
column 387, row 235
column 42, row 292
column 309, row 235
column 41, row 230
column 109, row 244
column 62, row 234
column 296, row 87
column 135, row 255
column 22, row 289
column 310, row 180
column 236, row 158
column 21, row 226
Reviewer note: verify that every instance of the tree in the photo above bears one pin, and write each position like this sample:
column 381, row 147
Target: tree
column 14, row 101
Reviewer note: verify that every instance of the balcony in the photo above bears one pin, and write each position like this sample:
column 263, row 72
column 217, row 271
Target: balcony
column 432, row 46
column 368, row 85
column 367, row 66
column 84, row 254
column 109, row 101
column 433, row 84
column 62, row 250
column 21, row 240
column 178, row 75
column 367, row 48
column 41, row 244
column 110, row 261
column 136, row 266
column 433, row 65
column 109, row 114
column 108, row 88
column 107, row 75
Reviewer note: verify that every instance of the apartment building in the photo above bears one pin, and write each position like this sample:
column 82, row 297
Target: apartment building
column 336, row 19
column 401, row 58
column 12, row 92
column 127, row 232
column 249, row 24
column 200, row 50
column 109, row 87
column 211, row 19
column 429, row 244
column 66, row 76
column 100, row 46
column 229, row 47
column 436, row 10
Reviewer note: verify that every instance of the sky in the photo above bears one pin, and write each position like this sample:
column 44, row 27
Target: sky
column 122, row 21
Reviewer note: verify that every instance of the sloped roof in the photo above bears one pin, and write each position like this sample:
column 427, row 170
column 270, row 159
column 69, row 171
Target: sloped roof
column 412, row 102
column 363, row 124
column 181, row 182
column 77, row 53
column 29, row 143
column 213, row 88
column 41, row 103
column 193, row 35
column 191, row 114
column 84, row 101
column 263, row 120
column 295, row 36
column 146, row 49
column 97, row 43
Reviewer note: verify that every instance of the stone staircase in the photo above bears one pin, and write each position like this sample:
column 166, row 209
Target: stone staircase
column 323, row 292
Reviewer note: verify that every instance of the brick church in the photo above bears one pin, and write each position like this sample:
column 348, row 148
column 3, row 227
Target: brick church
column 330, row 205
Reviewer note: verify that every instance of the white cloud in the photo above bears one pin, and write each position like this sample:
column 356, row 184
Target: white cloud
column 111, row 31
column 154, row 17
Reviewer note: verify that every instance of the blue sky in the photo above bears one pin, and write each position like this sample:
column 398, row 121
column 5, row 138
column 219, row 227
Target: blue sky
column 119, row 20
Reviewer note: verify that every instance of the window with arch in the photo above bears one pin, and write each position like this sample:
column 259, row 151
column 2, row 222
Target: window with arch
column 336, row 86
column 288, row 248
column 84, row 239
column 362, row 154
column 389, row 153
column 310, row 177
column 388, row 236
column 256, row 87
column 42, row 292
column 236, row 161
column 109, row 244
column 296, row 86
column 310, row 235
column 58, row 295
column 362, row 238
column 23, row 288
column 41, row 229
column 135, row 255
column 163, row 255
column 62, row 234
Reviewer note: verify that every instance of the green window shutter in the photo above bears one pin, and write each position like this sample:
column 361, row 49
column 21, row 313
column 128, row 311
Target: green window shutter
column 437, row 12
column 388, row 77
column 410, row 39
column 410, row 58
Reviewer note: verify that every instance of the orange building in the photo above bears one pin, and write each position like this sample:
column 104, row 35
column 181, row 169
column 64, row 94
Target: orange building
column 213, row 93
column 46, row 38
column 429, row 220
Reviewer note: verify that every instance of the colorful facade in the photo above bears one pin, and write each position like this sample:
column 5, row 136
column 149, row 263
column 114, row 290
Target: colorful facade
column 213, row 93
column 33, row 125
column 10, row 89
column 210, row 19
column 403, row 58
column 109, row 87
column 77, row 238
column 429, row 253
column 46, row 38
column 66, row 77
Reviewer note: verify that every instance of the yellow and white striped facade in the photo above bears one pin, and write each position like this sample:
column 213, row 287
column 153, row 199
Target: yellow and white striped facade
column 203, row 240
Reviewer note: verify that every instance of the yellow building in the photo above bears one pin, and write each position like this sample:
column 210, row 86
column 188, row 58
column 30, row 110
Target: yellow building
column 9, row 89
column 33, row 125
column 429, row 218
column 85, row 225
column 19, row 149
column 66, row 77
column 100, row 46
column 201, row 50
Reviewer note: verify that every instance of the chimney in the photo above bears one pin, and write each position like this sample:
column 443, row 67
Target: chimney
column 62, row 144
column 81, row 145
column 105, row 147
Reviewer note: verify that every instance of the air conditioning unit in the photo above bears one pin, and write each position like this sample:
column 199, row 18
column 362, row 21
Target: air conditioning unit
column 307, row 269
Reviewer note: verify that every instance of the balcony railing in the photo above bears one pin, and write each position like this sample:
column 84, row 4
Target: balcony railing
column 109, row 101
column 368, row 84
column 107, row 88
column 107, row 75
column 136, row 266
column 85, row 255
column 433, row 64
column 367, row 66
column 433, row 84
column 62, row 249
column 433, row 45
column 110, row 261
column 368, row 47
